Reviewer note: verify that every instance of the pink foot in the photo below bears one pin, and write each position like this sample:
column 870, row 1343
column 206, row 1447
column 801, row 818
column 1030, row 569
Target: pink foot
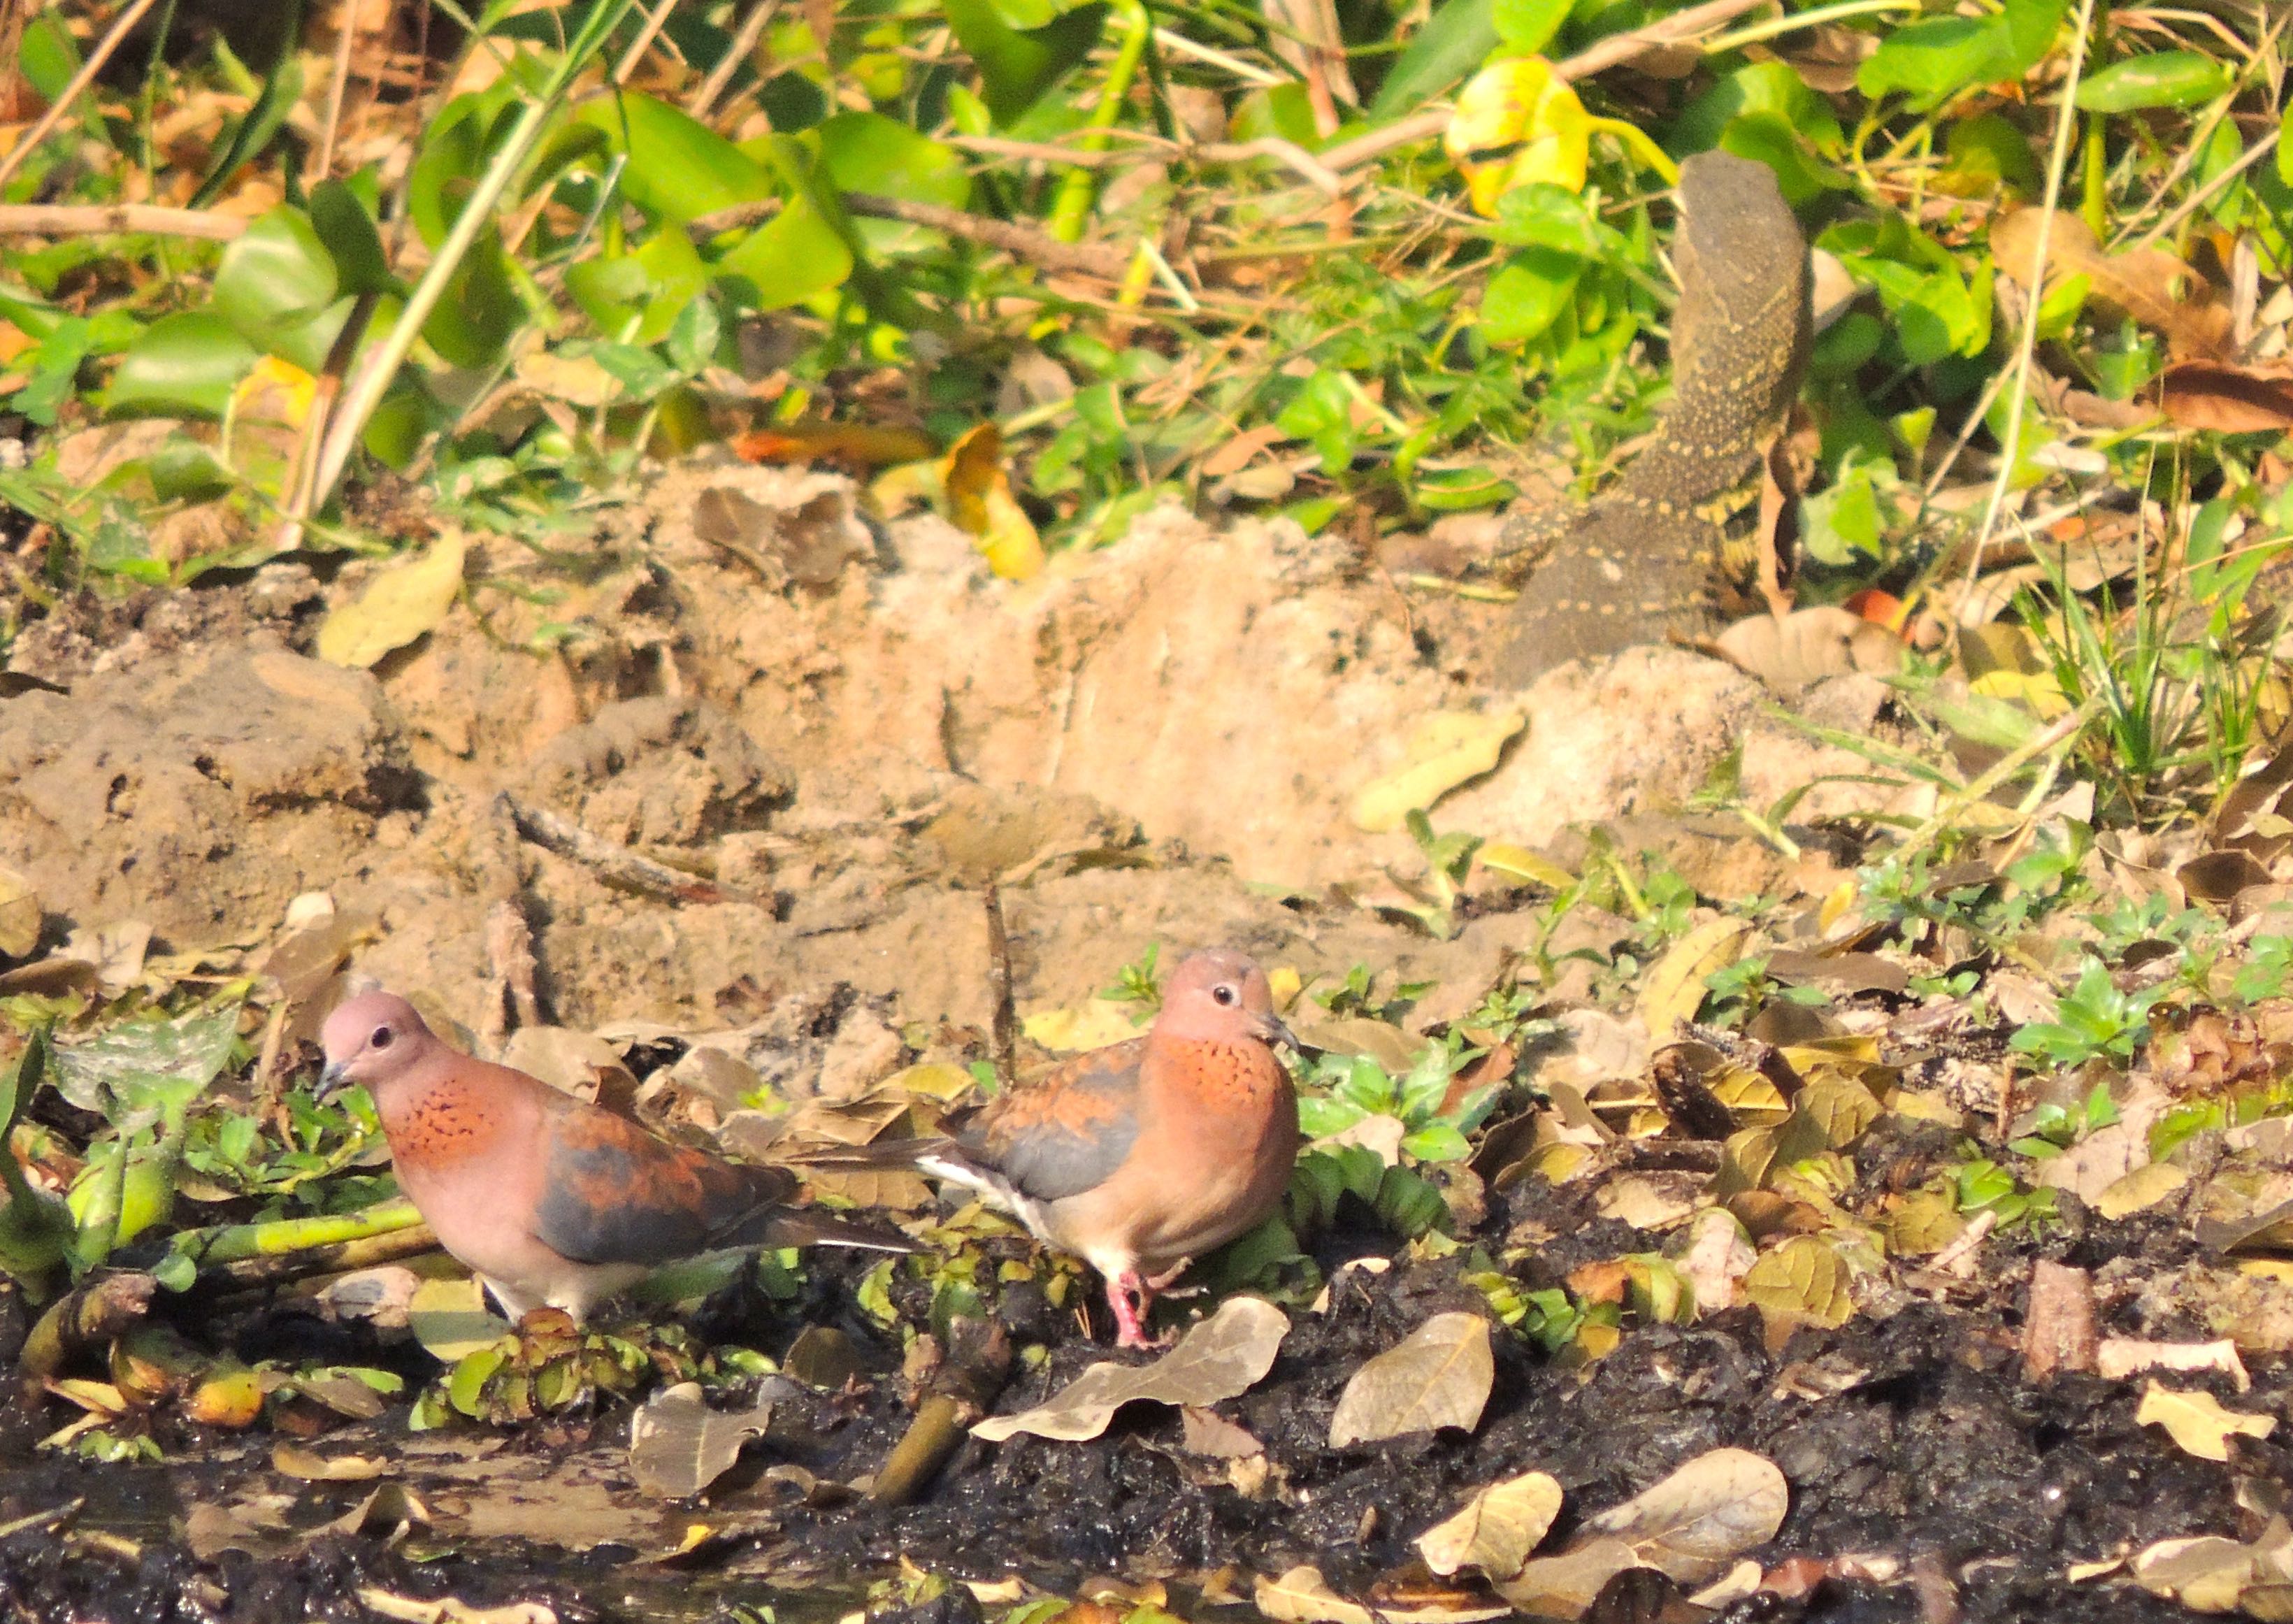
column 1130, row 1297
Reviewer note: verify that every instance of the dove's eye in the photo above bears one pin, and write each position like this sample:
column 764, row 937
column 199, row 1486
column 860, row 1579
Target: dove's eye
column 1224, row 994
column 381, row 1038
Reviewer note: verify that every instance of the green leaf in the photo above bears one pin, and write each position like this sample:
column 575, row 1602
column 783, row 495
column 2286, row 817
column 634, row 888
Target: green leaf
column 1932, row 60
column 348, row 231
column 1323, row 413
column 275, row 285
column 282, row 88
column 1017, row 68
column 867, row 152
column 678, row 168
column 1527, row 26
column 2285, row 148
column 47, row 55
column 1774, row 140
column 1528, row 295
column 1447, row 49
column 1772, row 87
column 787, row 260
column 1542, row 216
column 444, row 168
column 2166, row 79
column 183, row 365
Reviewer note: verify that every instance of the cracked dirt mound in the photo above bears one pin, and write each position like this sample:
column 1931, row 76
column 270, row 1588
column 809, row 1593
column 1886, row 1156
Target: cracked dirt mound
column 843, row 733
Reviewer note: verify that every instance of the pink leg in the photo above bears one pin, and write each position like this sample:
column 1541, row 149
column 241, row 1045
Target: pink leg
column 1129, row 1331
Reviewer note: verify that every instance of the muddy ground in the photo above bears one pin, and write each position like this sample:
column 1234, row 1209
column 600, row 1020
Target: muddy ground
column 1160, row 743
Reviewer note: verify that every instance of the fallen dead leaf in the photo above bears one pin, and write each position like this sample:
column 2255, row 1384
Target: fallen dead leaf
column 2197, row 1421
column 2226, row 397
column 1225, row 1355
column 1302, row 1596
column 2149, row 284
column 404, row 600
column 1447, row 749
column 1565, row 1586
column 2120, row 1357
column 1694, row 1522
column 450, row 1320
column 19, row 916
column 1674, row 988
column 1495, row 1530
column 1808, row 645
column 678, row 1446
column 1438, row 1375
column 293, row 1460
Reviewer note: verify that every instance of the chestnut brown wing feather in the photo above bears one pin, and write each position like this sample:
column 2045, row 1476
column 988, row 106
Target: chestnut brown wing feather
column 1066, row 1133
column 618, row 1195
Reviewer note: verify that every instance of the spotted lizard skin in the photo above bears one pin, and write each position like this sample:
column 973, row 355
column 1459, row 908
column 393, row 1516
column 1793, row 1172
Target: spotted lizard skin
column 1651, row 559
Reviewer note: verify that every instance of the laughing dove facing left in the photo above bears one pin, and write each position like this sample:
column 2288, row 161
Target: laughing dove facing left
column 548, row 1198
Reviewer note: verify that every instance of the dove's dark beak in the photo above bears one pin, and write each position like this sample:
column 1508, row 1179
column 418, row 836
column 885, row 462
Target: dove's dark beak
column 331, row 1081
column 1270, row 1027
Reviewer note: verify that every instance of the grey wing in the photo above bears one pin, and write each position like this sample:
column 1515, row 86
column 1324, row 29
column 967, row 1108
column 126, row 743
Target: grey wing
column 1066, row 1133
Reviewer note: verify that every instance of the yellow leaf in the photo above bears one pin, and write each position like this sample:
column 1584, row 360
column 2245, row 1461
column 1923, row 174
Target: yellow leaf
column 1448, row 748
column 2143, row 1187
column 979, row 500
column 2197, row 1422
column 1518, row 107
column 1090, row 1025
column 274, row 390
column 1674, row 988
column 1520, row 863
column 1496, row 1530
column 399, row 604
column 1802, row 1280
column 2038, row 691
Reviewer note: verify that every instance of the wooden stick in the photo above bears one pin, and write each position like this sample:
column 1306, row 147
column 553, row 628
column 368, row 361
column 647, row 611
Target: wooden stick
column 1022, row 242
column 103, row 219
column 31, row 139
column 1616, row 48
column 752, row 29
column 1004, row 1023
column 615, row 864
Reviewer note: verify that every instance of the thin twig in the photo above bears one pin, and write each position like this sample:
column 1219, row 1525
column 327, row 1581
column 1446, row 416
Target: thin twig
column 1673, row 30
column 1616, row 48
column 1042, row 151
column 2057, row 162
column 643, row 43
column 1003, row 1020
column 1023, row 243
column 752, row 29
column 46, row 125
column 108, row 219
column 615, row 864
column 323, row 164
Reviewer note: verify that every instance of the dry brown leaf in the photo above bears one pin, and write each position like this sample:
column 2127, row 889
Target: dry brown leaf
column 19, row 916
column 1674, row 988
column 1564, row 1586
column 678, row 1446
column 1703, row 1517
column 1495, row 1530
column 1802, row 1280
column 1808, row 645
column 1227, row 1354
column 2197, row 1421
column 1438, row 1375
column 2149, row 284
column 2226, row 397
column 2120, row 1357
